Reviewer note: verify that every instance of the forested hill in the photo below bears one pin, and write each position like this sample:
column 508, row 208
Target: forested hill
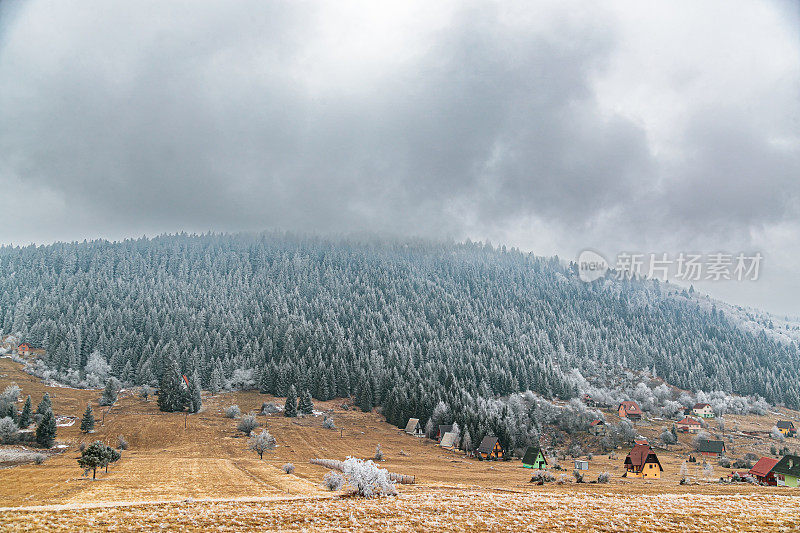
column 398, row 324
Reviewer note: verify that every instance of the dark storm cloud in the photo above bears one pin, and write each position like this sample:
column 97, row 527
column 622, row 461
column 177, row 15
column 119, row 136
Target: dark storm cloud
column 475, row 119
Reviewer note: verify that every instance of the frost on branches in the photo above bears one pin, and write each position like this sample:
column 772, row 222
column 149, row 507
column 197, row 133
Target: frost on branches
column 367, row 479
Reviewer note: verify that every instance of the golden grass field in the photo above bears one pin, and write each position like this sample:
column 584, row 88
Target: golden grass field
column 203, row 477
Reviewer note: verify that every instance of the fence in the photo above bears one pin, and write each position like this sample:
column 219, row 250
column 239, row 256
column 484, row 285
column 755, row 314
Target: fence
column 333, row 464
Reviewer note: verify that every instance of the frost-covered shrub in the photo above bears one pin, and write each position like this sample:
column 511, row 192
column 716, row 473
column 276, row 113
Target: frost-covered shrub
column 122, row 444
column 328, row 423
column 562, row 479
column 378, row 453
column 724, row 462
column 242, row 379
column 269, row 408
column 288, row 468
column 742, row 464
column 233, row 411
column 39, row 458
column 578, row 476
column 247, row 424
column 603, row 477
column 750, row 456
column 542, row 476
column 8, row 430
column 776, row 434
column 367, row 479
column 262, row 442
column 333, row 480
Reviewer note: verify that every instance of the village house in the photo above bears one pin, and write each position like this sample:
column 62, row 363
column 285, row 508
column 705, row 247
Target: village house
column 443, row 428
column 581, row 465
column 642, row 462
column 763, row 471
column 711, row 448
column 414, row 428
column 787, row 428
column 629, row 409
column 597, row 427
column 534, row 458
column 490, row 448
column 688, row 425
column 787, row 471
column 703, row 410
column 448, row 440
column 24, row 350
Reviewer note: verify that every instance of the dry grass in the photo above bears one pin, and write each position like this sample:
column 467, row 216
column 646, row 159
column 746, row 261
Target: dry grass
column 208, row 460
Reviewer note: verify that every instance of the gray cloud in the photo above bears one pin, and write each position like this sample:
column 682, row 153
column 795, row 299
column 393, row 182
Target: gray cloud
column 480, row 120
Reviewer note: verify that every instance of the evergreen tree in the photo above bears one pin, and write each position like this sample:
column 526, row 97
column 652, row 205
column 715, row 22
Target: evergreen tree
column 215, row 384
column 264, row 381
column 87, row 422
column 26, row 416
column 172, row 394
column 306, row 404
column 195, row 394
column 94, row 456
column 365, row 397
column 110, row 392
column 46, row 430
column 45, row 405
column 290, row 407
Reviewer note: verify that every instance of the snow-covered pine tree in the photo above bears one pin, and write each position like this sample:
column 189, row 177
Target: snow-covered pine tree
column 290, row 407
column 305, row 405
column 87, row 422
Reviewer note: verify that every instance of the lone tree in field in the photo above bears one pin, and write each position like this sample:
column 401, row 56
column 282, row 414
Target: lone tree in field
column 261, row 443
column 172, row 393
column 306, row 404
column 26, row 416
column 145, row 392
column 87, row 422
column 110, row 393
column 94, row 456
column 46, row 430
column 290, row 408
column 247, row 424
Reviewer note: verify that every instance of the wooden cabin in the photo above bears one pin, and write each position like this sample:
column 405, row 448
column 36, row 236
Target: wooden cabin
column 711, row 448
column 762, row 471
column 490, row 448
column 642, row 462
column 534, row 458
column 786, row 427
column 703, row 410
column 448, row 440
column 414, row 428
column 787, row 471
column 688, row 425
column 629, row 409
column 581, row 465
column 597, row 427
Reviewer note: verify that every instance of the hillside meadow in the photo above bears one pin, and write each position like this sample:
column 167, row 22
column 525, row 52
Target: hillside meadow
column 202, row 477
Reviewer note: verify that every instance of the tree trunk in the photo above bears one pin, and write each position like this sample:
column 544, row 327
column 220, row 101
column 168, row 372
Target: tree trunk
column 94, row 473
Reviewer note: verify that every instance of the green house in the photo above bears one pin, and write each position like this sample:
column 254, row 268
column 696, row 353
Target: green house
column 534, row 458
column 787, row 471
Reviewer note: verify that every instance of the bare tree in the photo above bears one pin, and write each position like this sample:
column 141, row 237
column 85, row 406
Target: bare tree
column 262, row 442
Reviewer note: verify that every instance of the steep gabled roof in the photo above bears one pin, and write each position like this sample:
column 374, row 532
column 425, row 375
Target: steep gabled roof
column 531, row 454
column 701, row 405
column 487, row 444
column 631, row 408
column 689, row 421
column 448, row 440
column 597, row 423
column 412, row 425
column 789, row 465
column 710, row 446
column 640, row 455
column 784, row 424
column 763, row 467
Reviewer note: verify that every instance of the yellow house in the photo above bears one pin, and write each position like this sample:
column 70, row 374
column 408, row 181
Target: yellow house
column 787, row 428
column 642, row 462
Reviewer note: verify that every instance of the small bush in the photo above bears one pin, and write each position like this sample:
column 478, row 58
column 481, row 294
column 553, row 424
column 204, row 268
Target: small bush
column 333, row 481
column 562, row 479
column 542, row 476
column 82, row 446
column 724, row 462
column 122, row 444
column 604, row 477
column 750, row 456
column 368, row 480
column 288, row 468
column 578, row 476
column 269, row 408
column 233, row 411
column 378, row 453
column 742, row 464
column 328, row 423
column 39, row 458
column 247, row 424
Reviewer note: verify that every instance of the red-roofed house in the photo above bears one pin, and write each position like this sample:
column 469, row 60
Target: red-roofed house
column 762, row 471
column 597, row 427
column 631, row 410
column 688, row 425
column 24, row 350
column 642, row 462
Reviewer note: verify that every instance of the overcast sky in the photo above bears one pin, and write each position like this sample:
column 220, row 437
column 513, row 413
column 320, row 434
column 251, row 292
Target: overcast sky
column 552, row 126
